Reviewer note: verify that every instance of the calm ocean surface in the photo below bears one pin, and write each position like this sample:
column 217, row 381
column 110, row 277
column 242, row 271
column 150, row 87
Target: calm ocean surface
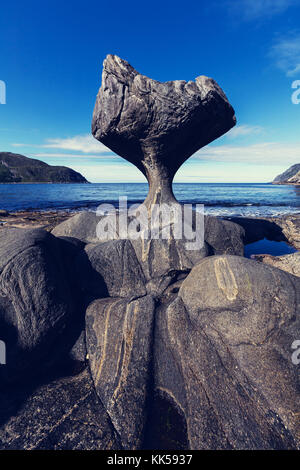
column 227, row 199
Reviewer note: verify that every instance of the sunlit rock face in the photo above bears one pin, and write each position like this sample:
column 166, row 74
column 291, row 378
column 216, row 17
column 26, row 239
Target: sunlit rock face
column 157, row 126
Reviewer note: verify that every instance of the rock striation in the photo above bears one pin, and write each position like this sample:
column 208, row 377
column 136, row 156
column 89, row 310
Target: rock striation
column 189, row 359
column 223, row 355
column 120, row 343
column 38, row 301
column 64, row 414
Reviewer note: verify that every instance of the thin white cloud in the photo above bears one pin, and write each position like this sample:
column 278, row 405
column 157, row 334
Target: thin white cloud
column 79, row 143
column 274, row 156
column 256, row 163
column 255, row 9
column 227, row 172
column 267, row 153
column 244, row 130
column 286, row 54
column 108, row 173
column 73, row 155
column 18, row 144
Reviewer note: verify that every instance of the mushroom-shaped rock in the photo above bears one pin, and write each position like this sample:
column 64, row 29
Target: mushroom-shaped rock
column 157, row 126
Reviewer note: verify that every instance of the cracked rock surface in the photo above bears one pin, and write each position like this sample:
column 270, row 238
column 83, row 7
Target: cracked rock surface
column 198, row 358
column 157, row 126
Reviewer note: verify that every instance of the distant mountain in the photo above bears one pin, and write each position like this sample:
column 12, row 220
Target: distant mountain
column 290, row 176
column 16, row 168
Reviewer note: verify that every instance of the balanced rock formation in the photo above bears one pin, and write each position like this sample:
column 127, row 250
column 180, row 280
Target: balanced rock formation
column 157, row 126
column 160, row 346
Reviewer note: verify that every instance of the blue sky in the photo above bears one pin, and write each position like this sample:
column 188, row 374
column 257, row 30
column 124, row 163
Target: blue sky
column 51, row 59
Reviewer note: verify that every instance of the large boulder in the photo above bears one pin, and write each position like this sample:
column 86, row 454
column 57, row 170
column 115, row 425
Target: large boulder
column 288, row 263
column 119, row 340
column 285, row 228
column 290, row 226
column 159, row 256
column 223, row 356
column 65, row 414
column 162, row 257
column 81, row 226
column 157, row 126
column 39, row 309
column 223, row 236
column 111, row 269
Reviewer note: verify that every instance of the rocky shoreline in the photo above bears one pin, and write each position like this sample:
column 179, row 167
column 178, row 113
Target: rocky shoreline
column 282, row 228
column 287, row 183
column 33, row 218
column 290, row 176
column 125, row 348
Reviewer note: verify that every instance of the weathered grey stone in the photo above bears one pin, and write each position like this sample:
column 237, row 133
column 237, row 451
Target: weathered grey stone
column 81, row 226
column 78, row 352
column 159, row 256
column 158, row 286
column 223, row 236
column 119, row 341
column 38, row 301
column 223, row 355
column 157, row 126
column 163, row 256
column 285, row 228
column 257, row 229
column 290, row 226
column 111, row 268
column 65, row 414
column 288, row 263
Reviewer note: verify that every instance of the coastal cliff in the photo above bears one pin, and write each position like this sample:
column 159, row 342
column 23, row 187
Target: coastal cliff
column 290, row 176
column 15, row 168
